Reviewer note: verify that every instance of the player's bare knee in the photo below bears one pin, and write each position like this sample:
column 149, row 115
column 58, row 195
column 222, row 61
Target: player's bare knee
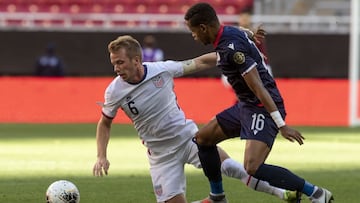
column 251, row 170
column 202, row 140
column 197, row 139
column 251, row 167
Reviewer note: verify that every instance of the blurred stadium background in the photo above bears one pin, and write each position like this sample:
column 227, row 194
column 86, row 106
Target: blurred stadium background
column 307, row 42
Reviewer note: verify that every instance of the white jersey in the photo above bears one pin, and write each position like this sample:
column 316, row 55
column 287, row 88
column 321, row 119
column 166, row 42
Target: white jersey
column 152, row 106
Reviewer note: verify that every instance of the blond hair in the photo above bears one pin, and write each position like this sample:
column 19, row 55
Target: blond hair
column 131, row 45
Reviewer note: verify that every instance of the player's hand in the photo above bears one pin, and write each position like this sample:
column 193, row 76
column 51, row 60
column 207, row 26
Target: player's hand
column 259, row 34
column 292, row 134
column 101, row 166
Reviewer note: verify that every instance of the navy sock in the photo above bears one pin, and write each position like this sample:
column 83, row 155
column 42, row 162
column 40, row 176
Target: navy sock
column 308, row 189
column 279, row 177
column 210, row 162
column 216, row 187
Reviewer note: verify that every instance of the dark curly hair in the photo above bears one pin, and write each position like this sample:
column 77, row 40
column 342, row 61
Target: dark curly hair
column 201, row 13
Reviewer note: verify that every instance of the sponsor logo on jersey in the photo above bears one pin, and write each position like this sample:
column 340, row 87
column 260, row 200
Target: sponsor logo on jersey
column 231, row 46
column 239, row 57
column 158, row 81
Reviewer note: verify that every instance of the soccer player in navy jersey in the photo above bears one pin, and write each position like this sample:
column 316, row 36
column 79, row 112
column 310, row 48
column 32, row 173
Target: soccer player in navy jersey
column 257, row 117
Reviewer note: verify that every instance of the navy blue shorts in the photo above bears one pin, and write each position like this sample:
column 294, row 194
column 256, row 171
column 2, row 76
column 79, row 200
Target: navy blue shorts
column 249, row 121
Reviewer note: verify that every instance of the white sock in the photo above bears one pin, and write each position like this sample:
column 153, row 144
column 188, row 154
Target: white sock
column 234, row 169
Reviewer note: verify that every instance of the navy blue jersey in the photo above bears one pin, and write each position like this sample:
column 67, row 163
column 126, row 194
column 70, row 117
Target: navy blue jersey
column 237, row 55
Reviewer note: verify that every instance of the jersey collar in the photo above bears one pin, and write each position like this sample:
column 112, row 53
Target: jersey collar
column 145, row 73
column 219, row 34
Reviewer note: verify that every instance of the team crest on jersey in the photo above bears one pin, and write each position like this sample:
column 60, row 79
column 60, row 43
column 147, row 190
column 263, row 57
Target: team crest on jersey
column 158, row 190
column 239, row 57
column 158, row 81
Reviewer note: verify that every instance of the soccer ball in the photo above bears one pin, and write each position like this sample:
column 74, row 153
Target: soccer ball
column 62, row 191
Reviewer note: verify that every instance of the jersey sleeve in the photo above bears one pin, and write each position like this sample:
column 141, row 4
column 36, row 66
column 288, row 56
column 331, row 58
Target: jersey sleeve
column 175, row 68
column 240, row 57
column 110, row 107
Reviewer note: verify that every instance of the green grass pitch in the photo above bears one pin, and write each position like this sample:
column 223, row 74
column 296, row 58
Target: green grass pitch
column 33, row 156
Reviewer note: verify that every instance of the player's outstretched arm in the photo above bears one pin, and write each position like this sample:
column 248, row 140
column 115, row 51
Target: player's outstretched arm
column 254, row 82
column 199, row 63
column 102, row 139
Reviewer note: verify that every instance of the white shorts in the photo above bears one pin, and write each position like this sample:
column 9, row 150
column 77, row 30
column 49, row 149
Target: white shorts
column 167, row 170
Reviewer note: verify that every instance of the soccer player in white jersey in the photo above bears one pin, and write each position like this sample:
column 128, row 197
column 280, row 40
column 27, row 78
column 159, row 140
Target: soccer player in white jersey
column 144, row 91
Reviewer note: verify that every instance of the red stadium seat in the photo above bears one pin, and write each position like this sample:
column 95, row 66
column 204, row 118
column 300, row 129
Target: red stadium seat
column 11, row 8
column 119, row 8
column 231, row 10
column 141, row 8
column 163, row 8
column 54, row 8
column 33, row 8
column 97, row 8
column 74, row 8
column 184, row 8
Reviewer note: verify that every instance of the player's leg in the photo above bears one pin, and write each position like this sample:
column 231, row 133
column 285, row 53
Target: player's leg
column 226, row 125
column 259, row 131
column 282, row 177
column 206, row 139
column 234, row 169
column 168, row 178
column 258, row 146
column 230, row 123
